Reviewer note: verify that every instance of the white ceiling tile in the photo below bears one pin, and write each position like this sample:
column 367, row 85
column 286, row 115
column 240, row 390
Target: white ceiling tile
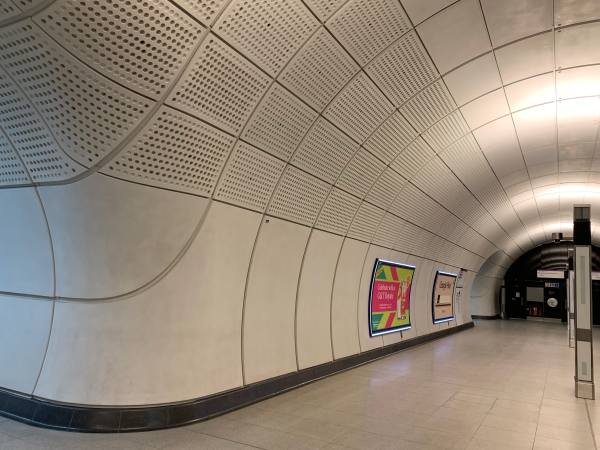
column 575, row 11
column 499, row 144
column 579, row 150
column 541, row 173
column 578, row 120
column 536, row 127
column 509, row 20
column 578, row 45
column 419, row 10
column 546, row 180
column 473, row 79
column 526, row 58
column 531, row 91
column 455, row 35
column 575, row 165
column 516, row 180
column 485, row 109
column 578, row 82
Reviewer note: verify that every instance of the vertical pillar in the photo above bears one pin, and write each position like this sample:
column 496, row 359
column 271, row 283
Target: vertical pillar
column 584, row 367
column 571, row 306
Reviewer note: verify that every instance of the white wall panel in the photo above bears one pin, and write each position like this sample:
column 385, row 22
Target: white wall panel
column 269, row 347
column 313, row 318
column 26, row 265
column 178, row 340
column 112, row 237
column 24, row 330
column 344, row 307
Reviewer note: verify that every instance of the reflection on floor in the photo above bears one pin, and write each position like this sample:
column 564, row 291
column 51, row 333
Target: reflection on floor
column 502, row 385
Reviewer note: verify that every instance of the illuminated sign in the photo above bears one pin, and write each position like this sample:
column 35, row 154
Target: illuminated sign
column 389, row 297
column 442, row 301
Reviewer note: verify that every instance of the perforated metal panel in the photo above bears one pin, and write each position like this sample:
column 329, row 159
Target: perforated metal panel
column 366, row 28
column 386, row 188
column 249, row 177
column 298, row 197
column 403, row 69
column 8, row 9
column 174, row 151
column 32, row 139
column 12, row 172
column 267, row 31
column 319, row 70
column 204, row 10
column 220, row 86
column 426, row 209
column 394, row 135
column 324, row 8
column 388, row 231
column 87, row 113
column 410, row 161
column 365, row 222
column 279, row 123
column 446, row 131
column 359, row 108
column 337, row 212
column 141, row 46
column 360, row 174
column 429, row 106
column 325, row 151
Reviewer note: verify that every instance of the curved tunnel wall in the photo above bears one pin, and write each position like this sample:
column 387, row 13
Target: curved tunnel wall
column 196, row 205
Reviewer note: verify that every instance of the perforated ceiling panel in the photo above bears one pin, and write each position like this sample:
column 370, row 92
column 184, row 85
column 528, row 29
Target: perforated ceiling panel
column 429, row 106
column 360, row 174
column 394, row 135
column 30, row 136
column 365, row 222
column 205, row 11
column 141, row 47
column 267, row 31
column 319, row 70
column 249, row 177
column 325, row 151
column 12, row 171
column 338, row 211
column 403, row 69
column 298, row 197
column 88, row 114
column 359, row 108
column 366, row 28
column 213, row 98
column 8, row 9
column 220, row 86
column 279, row 123
column 174, row 151
column 324, row 8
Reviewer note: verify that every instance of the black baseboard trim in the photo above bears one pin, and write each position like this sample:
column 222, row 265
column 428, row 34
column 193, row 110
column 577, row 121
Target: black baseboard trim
column 47, row 414
column 475, row 317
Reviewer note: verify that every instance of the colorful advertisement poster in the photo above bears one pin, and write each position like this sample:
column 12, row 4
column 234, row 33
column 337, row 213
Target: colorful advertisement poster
column 389, row 302
column 443, row 296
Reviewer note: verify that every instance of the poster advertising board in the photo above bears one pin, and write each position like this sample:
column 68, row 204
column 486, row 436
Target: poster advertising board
column 389, row 297
column 443, row 296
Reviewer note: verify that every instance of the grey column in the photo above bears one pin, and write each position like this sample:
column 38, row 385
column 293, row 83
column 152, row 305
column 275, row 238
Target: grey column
column 584, row 366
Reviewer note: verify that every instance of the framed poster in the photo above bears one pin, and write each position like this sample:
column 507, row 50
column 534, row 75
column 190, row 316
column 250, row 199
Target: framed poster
column 389, row 297
column 442, row 300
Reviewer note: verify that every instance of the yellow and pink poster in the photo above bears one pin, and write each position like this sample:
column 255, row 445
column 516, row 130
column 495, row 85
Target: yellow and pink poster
column 443, row 296
column 389, row 302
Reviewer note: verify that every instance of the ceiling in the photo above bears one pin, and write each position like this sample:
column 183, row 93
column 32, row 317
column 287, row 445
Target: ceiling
column 456, row 129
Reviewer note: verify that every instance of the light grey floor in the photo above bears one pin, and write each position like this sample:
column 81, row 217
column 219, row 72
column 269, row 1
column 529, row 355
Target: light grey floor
column 502, row 385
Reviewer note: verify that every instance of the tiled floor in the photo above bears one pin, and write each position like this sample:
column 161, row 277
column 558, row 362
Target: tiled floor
column 502, row 385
